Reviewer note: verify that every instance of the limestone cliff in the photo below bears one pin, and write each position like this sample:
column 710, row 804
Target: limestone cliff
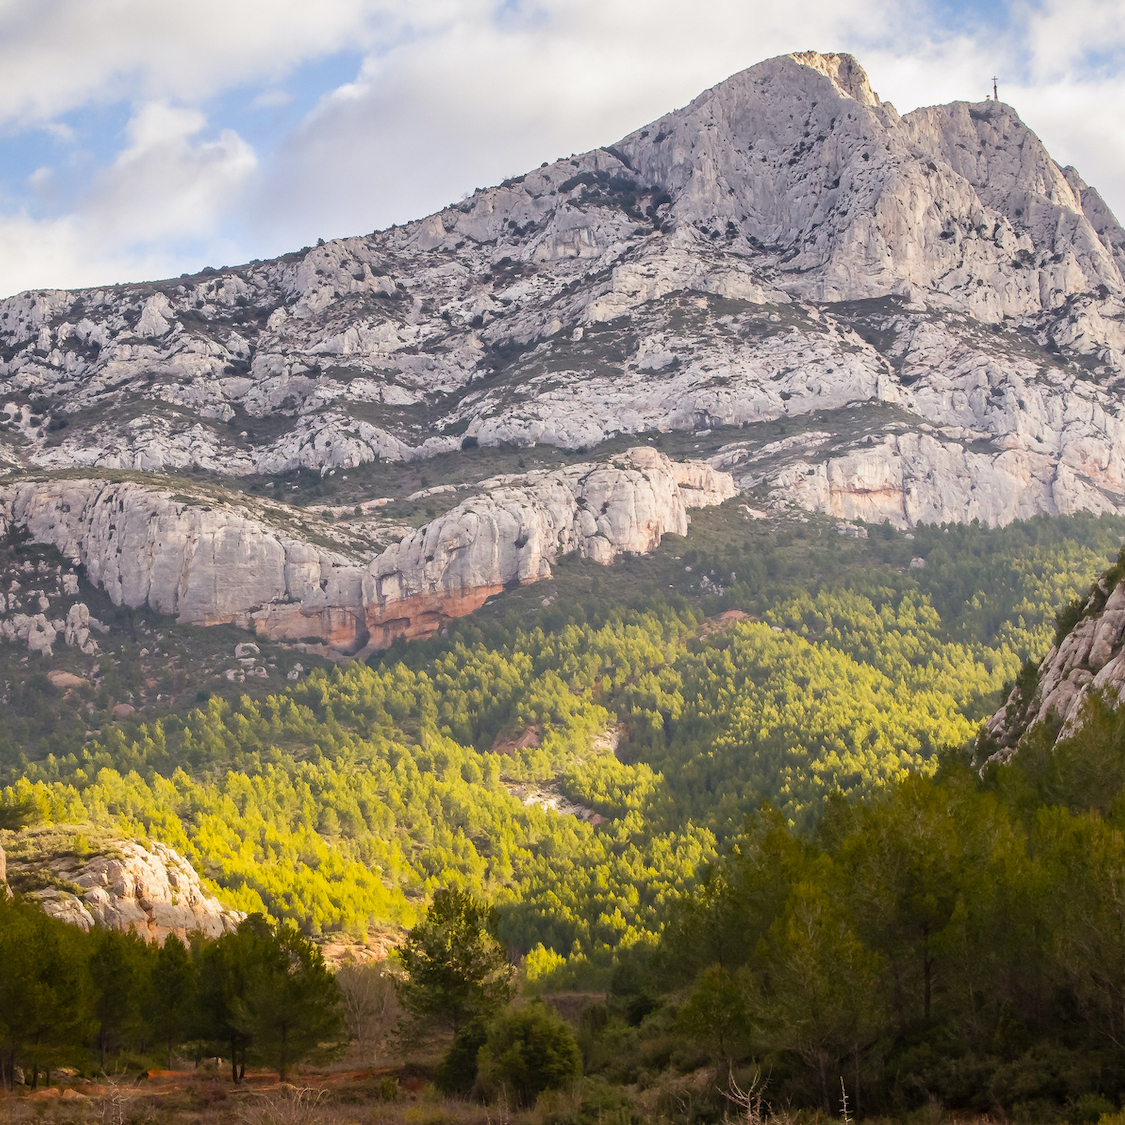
column 514, row 531
column 204, row 563
column 221, row 562
column 1089, row 658
column 786, row 243
column 116, row 884
column 920, row 478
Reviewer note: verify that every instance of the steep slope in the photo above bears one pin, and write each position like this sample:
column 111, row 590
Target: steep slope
column 786, row 243
column 1088, row 657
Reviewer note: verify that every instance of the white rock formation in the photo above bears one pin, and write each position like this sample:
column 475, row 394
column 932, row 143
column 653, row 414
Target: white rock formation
column 917, row 478
column 77, row 629
column 512, row 534
column 35, row 631
column 1090, row 658
column 786, row 243
column 209, row 564
column 151, row 891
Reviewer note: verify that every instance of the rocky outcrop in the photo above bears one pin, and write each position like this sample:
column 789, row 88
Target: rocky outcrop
column 206, row 564
column 919, row 478
column 787, row 243
column 214, row 563
column 122, row 885
column 39, row 604
column 1089, row 658
column 512, row 533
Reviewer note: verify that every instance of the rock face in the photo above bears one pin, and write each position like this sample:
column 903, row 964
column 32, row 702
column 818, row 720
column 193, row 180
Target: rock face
column 219, row 563
column 918, row 478
column 787, row 243
column 1090, row 658
column 151, row 891
column 205, row 564
column 512, row 534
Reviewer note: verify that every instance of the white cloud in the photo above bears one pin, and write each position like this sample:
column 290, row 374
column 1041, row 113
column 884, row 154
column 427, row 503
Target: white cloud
column 56, row 55
column 1065, row 37
column 165, row 198
column 167, row 183
column 455, row 94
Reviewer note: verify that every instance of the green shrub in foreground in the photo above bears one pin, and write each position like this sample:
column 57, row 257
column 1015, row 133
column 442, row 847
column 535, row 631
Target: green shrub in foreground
column 528, row 1050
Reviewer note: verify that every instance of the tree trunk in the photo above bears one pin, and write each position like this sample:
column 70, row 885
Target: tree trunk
column 857, row 1081
column 928, row 963
column 35, row 1077
column 233, row 1063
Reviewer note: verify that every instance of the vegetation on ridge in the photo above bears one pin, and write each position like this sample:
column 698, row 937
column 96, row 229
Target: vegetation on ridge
column 345, row 800
column 946, row 936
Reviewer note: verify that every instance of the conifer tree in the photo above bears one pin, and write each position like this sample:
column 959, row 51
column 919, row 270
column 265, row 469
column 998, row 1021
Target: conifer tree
column 456, row 969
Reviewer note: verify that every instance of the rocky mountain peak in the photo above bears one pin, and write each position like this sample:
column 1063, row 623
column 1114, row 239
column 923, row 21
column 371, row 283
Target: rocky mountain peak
column 846, row 74
column 786, row 244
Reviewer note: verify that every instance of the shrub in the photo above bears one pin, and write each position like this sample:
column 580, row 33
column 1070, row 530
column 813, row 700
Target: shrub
column 1091, row 1108
column 528, row 1050
column 1067, row 618
column 457, row 1071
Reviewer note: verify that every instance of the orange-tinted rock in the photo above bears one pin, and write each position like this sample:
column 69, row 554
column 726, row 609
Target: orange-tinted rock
column 422, row 615
column 341, row 627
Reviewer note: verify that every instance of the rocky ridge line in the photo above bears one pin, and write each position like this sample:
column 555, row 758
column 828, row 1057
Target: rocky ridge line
column 218, row 564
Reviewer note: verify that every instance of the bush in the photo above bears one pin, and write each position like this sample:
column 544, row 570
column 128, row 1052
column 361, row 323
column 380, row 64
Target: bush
column 528, row 1050
column 1090, row 1108
column 1067, row 618
column 457, row 1071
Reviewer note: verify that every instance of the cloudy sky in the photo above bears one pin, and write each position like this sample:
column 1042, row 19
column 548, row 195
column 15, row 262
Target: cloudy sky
column 146, row 138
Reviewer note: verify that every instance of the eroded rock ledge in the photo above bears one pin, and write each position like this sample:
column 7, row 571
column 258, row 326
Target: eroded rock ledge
column 216, row 564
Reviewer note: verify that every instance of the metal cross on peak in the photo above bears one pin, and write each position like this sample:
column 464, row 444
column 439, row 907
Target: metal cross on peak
column 995, row 95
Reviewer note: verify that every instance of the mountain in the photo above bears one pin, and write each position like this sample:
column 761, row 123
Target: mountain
column 914, row 318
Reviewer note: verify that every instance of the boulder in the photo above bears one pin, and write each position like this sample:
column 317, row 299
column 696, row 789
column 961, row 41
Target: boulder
column 152, row 891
